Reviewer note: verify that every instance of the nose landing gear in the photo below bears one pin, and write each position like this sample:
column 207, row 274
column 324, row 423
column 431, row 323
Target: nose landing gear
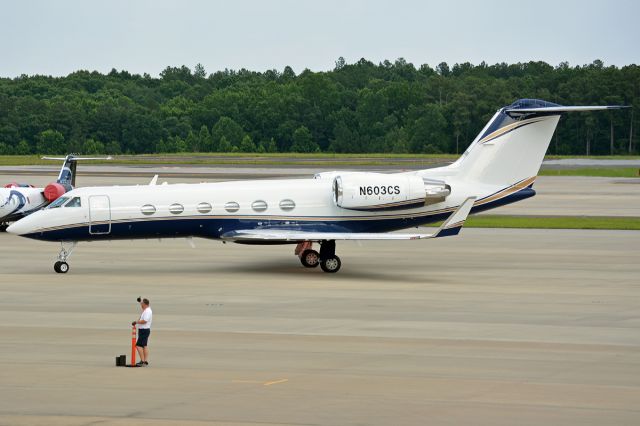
column 61, row 266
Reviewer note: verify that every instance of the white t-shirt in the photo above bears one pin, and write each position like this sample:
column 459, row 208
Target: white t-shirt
column 146, row 315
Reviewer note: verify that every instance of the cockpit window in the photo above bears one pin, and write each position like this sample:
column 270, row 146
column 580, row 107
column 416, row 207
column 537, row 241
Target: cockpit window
column 57, row 203
column 75, row 202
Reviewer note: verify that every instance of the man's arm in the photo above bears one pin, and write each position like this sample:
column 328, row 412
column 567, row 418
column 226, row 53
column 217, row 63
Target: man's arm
column 145, row 314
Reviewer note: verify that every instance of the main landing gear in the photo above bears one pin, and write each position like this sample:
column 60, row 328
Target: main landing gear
column 61, row 266
column 327, row 258
column 310, row 258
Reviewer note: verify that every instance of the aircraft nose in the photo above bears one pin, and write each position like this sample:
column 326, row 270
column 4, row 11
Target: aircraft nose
column 20, row 227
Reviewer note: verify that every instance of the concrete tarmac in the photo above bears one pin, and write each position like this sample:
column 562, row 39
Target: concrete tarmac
column 579, row 196
column 494, row 327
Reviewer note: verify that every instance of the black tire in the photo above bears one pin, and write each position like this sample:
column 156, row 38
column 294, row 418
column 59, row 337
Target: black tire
column 61, row 267
column 331, row 264
column 310, row 258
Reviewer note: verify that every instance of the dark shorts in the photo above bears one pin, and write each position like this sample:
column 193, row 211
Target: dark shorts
column 143, row 337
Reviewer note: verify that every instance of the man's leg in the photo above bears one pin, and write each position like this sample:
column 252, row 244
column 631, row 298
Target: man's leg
column 140, row 353
column 146, row 353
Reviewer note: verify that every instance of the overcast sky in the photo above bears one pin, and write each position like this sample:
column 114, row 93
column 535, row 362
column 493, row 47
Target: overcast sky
column 59, row 37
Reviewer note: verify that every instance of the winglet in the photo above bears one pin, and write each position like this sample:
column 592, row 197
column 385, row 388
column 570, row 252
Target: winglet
column 453, row 224
column 154, row 180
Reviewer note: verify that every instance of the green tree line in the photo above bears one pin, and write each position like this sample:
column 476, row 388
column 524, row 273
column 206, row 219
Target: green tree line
column 390, row 107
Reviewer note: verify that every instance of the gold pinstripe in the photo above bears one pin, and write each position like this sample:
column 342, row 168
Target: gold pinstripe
column 507, row 191
column 455, row 225
column 397, row 203
column 509, row 127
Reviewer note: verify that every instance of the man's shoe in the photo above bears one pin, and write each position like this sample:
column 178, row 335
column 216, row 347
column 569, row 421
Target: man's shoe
column 146, row 363
column 140, row 364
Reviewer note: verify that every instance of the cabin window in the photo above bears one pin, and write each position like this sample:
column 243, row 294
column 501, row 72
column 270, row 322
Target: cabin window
column 75, row 202
column 232, row 207
column 259, row 206
column 176, row 208
column 204, row 207
column 148, row 209
column 57, row 203
column 287, row 205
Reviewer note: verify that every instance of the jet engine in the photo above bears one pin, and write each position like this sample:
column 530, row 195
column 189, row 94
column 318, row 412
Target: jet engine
column 55, row 190
column 378, row 191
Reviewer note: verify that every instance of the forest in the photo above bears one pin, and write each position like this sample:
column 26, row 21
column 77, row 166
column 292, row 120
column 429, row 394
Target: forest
column 363, row 107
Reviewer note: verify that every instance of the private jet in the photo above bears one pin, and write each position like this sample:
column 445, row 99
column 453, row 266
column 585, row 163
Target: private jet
column 20, row 200
column 499, row 167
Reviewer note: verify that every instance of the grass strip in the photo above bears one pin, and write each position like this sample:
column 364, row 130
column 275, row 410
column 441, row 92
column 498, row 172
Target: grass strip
column 554, row 222
column 595, row 171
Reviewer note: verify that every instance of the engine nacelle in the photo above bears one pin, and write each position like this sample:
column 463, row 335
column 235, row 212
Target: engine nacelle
column 378, row 191
column 18, row 185
column 53, row 191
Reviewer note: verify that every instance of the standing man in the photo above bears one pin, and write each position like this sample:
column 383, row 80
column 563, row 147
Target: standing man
column 144, row 329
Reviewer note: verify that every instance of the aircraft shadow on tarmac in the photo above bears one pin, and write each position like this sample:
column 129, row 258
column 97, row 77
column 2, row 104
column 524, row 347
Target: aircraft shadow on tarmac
column 289, row 270
column 283, row 268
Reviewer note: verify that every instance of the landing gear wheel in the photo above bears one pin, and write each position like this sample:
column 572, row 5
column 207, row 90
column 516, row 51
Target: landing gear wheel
column 310, row 258
column 331, row 264
column 66, row 248
column 61, row 267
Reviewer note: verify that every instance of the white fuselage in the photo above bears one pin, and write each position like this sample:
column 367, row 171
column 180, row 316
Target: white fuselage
column 209, row 210
column 17, row 202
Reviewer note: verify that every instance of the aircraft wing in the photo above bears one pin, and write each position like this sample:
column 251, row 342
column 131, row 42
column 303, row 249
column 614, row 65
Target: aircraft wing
column 289, row 235
column 450, row 227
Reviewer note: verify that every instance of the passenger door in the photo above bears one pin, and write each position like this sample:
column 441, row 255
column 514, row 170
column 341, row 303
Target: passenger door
column 99, row 214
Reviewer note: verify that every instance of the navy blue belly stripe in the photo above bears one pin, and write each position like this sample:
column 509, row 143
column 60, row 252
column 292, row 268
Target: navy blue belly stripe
column 207, row 227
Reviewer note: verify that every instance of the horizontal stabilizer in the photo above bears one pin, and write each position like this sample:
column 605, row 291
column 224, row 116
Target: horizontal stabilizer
column 561, row 109
column 74, row 158
column 67, row 176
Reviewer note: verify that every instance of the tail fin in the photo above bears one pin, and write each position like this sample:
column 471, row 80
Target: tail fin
column 67, row 175
column 512, row 145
